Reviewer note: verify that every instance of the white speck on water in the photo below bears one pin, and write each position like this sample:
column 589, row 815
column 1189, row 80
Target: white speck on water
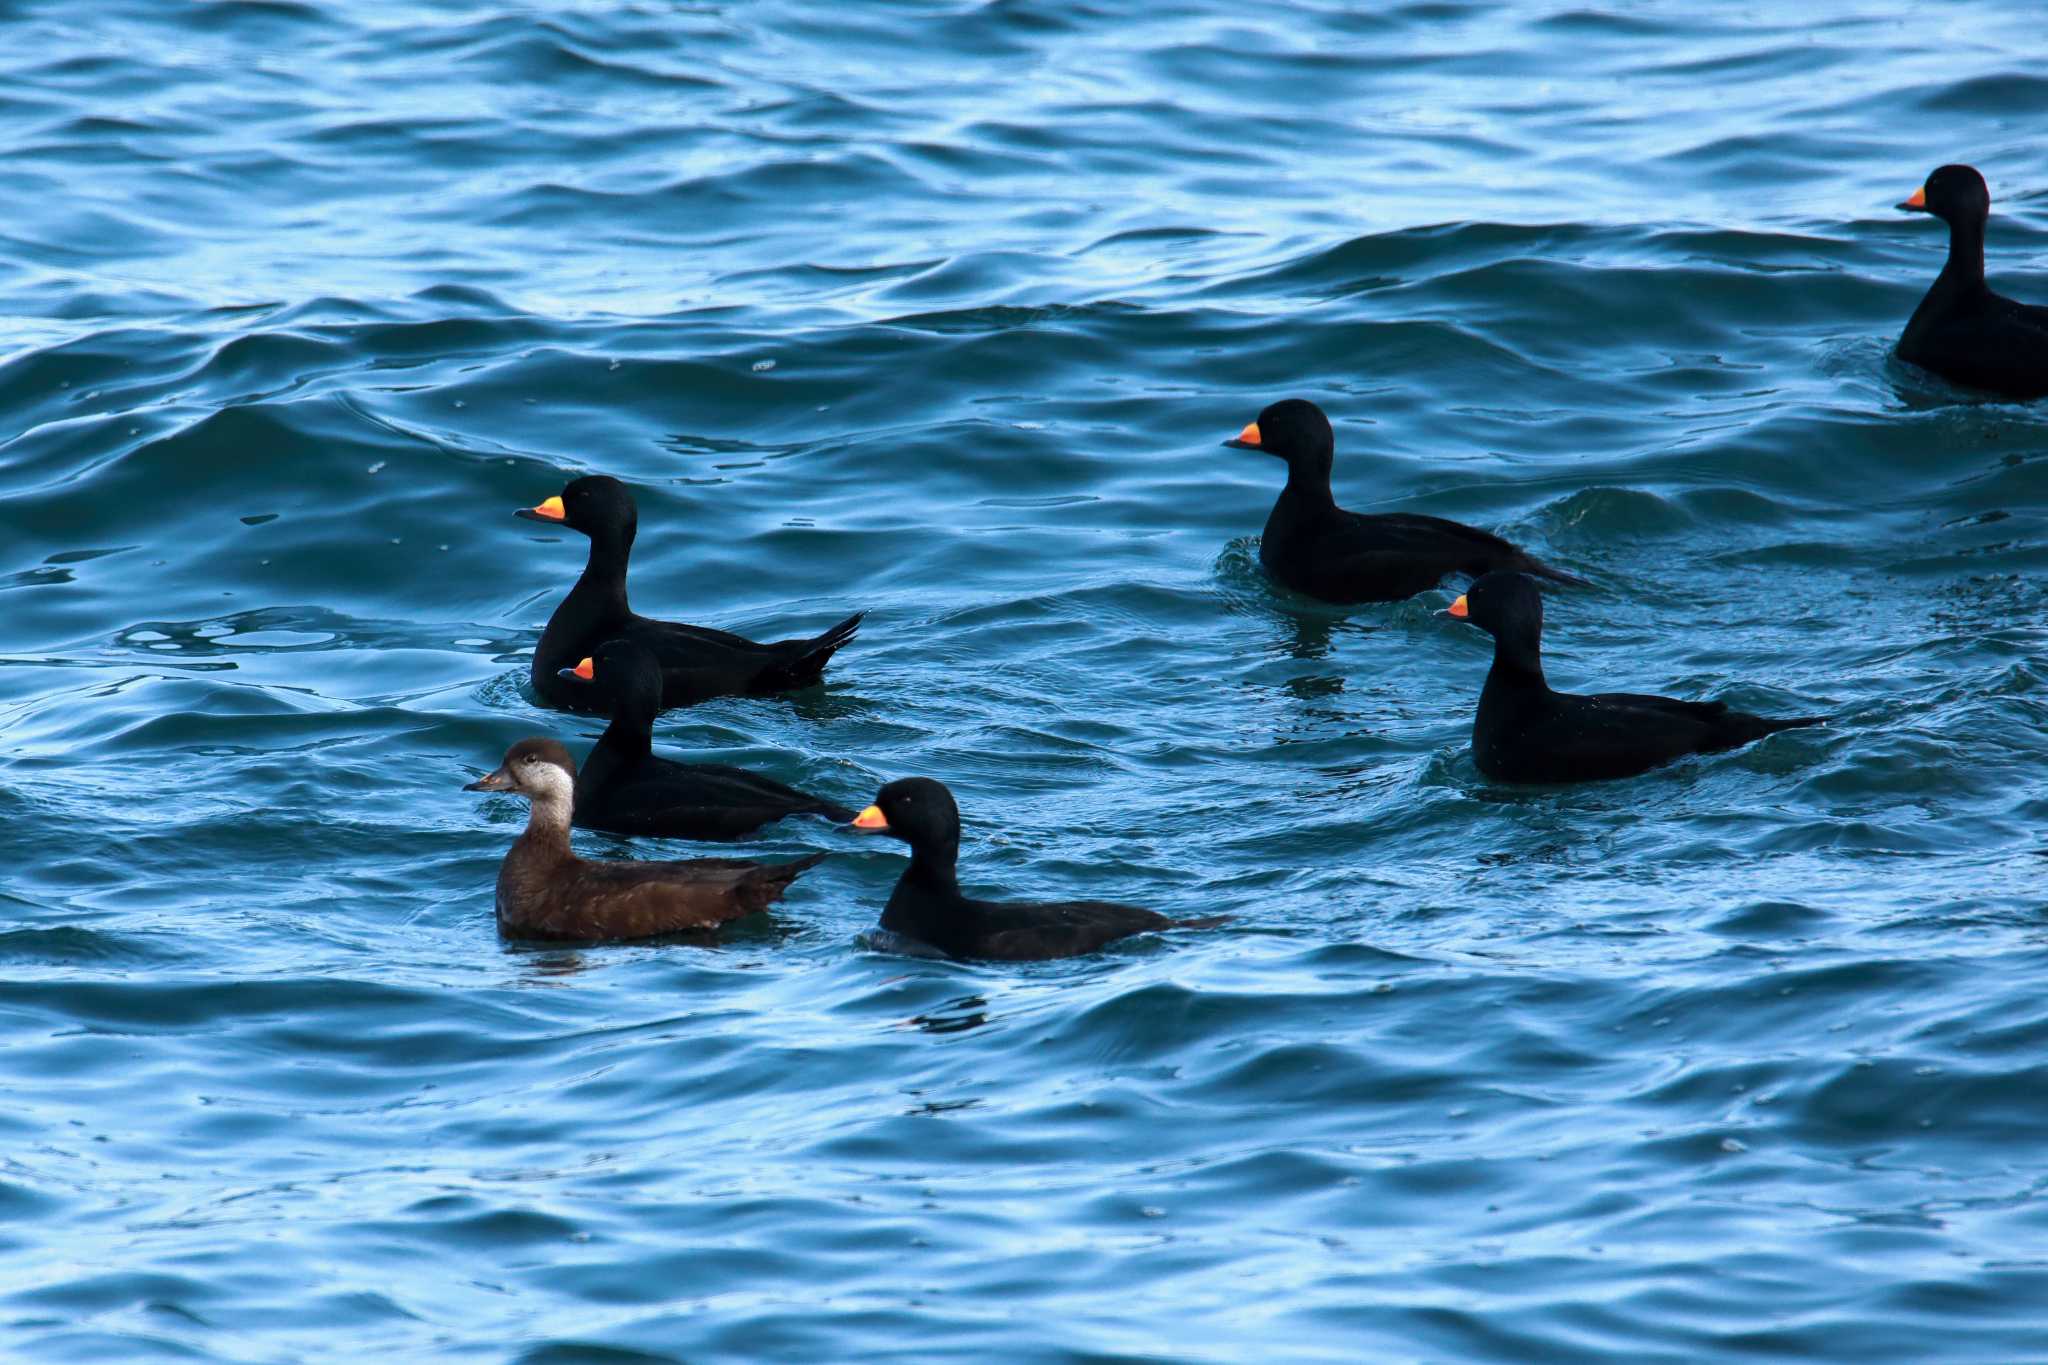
column 377, row 468
column 763, row 366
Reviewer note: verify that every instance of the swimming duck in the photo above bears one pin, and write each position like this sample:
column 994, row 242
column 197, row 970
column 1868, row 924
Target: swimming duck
column 696, row 662
column 927, row 904
column 546, row 892
column 1962, row 330
column 1317, row 548
column 1525, row 732
column 624, row 788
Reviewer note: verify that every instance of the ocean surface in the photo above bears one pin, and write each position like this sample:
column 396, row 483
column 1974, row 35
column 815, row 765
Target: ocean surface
column 941, row 310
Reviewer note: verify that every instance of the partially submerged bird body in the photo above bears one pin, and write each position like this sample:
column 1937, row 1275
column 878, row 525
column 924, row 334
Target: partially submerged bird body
column 697, row 662
column 1352, row 557
column 928, row 906
column 1523, row 734
column 545, row 891
column 1963, row 330
column 1317, row 548
column 624, row 787
column 931, row 909
column 1525, row 731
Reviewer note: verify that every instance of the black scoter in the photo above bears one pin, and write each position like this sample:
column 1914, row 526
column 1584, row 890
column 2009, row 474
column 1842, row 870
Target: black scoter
column 1317, row 548
column 546, row 892
column 624, row 788
column 696, row 662
column 927, row 904
column 1962, row 330
column 1525, row 732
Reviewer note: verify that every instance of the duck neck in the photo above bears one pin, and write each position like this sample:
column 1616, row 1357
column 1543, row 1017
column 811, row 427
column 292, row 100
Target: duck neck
column 1308, row 491
column 1518, row 658
column 936, row 868
column 1965, row 268
column 630, row 736
column 604, row 573
column 547, row 826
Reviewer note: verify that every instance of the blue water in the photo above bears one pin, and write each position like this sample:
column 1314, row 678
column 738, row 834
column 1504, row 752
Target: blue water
column 941, row 310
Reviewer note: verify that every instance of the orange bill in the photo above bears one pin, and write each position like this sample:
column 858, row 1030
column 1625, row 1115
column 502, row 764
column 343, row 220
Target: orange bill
column 1250, row 434
column 551, row 510
column 1916, row 200
column 1459, row 609
column 871, row 818
column 585, row 670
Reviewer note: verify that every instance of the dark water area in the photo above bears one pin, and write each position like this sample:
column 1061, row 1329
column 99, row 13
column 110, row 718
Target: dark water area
column 941, row 310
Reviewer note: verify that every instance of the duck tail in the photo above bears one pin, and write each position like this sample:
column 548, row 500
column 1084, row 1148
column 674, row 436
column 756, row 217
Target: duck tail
column 807, row 659
column 833, row 811
column 1205, row 922
column 1532, row 565
column 1770, row 725
column 764, row 883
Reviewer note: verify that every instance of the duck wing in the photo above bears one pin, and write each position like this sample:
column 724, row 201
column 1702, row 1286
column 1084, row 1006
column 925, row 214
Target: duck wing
column 1019, row 931
column 1619, row 734
column 627, row 900
column 1389, row 556
column 2002, row 347
column 698, row 662
column 663, row 798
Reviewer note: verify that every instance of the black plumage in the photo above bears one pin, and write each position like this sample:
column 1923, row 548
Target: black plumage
column 624, row 787
column 697, row 663
column 1318, row 549
column 928, row 905
column 1526, row 732
column 1962, row 330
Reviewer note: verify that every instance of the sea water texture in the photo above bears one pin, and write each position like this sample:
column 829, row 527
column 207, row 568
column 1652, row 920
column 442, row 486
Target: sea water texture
column 941, row 311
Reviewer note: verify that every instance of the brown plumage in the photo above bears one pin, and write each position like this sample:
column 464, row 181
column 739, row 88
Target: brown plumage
column 546, row 892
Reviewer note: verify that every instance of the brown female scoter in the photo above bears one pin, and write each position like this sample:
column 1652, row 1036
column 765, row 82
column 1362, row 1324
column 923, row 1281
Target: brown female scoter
column 546, row 892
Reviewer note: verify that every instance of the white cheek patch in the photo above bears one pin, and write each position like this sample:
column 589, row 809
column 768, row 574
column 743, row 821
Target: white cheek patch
column 550, row 782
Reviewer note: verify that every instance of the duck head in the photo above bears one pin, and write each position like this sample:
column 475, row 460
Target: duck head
column 1296, row 431
column 1509, row 607
column 921, row 813
column 540, row 770
column 1954, row 194
column 598, row 505
column 624, row 672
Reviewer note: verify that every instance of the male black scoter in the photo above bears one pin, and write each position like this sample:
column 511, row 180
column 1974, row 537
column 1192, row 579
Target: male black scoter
column 546, row 892
column 1962, row 330
column 623, row 787
column 1525, row 732
column 696, row 662
column 927, row 904
column 1317, row 548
